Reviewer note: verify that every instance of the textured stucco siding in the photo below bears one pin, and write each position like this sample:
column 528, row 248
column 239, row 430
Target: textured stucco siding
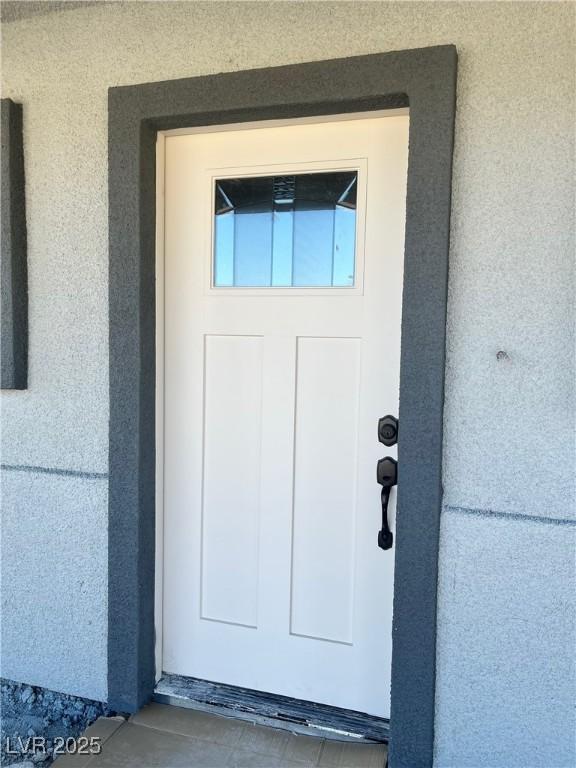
column 506, row 620
column 506, row 640
column 53, row 598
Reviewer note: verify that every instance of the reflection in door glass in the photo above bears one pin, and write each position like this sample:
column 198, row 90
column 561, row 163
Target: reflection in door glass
column 285, row 231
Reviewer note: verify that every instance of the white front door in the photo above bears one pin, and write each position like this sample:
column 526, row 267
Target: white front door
column 283, row 283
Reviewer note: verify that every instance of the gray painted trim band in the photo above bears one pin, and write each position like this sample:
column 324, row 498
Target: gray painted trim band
column 510, row 516
column 53, row 471
column 13, row 260
column 426, row 80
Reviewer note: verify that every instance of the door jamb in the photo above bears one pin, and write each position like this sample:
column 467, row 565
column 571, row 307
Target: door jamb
column 424, row 79
column 159, row 408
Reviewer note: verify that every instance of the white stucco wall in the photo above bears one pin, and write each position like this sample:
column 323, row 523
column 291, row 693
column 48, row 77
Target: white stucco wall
column 506, row 620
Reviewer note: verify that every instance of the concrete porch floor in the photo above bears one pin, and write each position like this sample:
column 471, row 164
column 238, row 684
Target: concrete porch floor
column 161, row 736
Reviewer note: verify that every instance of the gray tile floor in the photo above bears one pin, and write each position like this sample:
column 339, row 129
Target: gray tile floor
column 171, row 737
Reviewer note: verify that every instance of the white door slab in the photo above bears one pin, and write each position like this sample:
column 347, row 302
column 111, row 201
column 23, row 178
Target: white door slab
column 272, row 577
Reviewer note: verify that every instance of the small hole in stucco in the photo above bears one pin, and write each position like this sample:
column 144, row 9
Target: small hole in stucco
column 502, row 355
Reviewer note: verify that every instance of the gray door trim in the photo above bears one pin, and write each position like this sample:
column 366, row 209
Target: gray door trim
column 424, row 79
column 13, row 252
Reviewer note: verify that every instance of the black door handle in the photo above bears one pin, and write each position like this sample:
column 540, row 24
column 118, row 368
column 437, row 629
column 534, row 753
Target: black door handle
column 386, row 476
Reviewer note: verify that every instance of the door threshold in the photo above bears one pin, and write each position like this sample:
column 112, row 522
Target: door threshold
column 304, row 717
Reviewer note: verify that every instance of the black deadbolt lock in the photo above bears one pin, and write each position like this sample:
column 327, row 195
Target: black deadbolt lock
column 388, row 430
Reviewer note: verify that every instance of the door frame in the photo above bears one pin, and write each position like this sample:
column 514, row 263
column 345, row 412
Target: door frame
column 423, row 80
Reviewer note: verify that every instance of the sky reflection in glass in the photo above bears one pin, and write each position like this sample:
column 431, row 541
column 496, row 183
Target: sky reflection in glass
column 286, row 231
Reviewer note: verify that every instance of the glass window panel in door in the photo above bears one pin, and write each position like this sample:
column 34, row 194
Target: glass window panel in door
column 291, row 230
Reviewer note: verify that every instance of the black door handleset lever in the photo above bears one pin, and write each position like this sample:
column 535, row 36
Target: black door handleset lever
column 386, row 476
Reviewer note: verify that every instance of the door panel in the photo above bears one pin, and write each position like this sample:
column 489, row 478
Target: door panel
column 231, row 500
column 279, row 360
column 323, row 556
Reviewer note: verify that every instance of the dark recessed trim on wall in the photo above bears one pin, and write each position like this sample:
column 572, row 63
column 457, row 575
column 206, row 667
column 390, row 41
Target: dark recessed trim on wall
column 36, row 470
column 424, row 79
column 13, row 264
